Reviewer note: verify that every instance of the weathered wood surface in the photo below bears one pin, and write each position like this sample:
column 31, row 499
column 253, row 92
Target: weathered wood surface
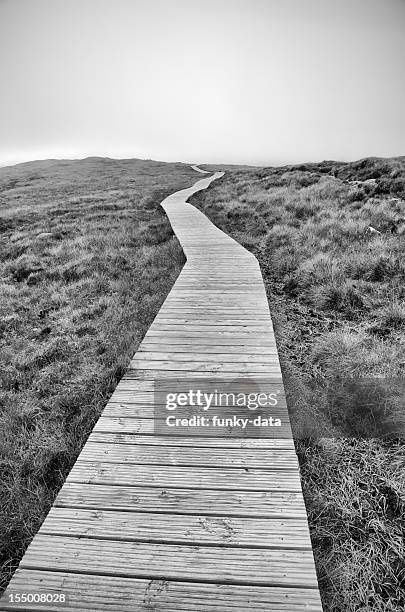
column 147, row 521
column 121, row 594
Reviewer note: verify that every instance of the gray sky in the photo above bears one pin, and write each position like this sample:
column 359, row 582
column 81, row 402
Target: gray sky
column 240, row 81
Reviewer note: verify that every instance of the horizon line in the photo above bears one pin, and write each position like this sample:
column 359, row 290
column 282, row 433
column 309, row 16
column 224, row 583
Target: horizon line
column 10, row 164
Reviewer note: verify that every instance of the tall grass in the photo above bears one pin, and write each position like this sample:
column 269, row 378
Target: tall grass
column 330, row 241
column 87, row 258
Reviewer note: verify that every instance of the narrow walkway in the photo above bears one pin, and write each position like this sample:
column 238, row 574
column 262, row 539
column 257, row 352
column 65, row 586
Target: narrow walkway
column 155, row 522
column 200, row 170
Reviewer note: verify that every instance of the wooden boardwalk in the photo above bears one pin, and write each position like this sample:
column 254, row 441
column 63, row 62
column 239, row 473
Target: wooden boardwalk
column 155, row 522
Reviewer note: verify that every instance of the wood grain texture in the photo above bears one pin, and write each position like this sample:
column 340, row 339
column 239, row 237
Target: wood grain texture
column 178, row 529
column 87, row 592
column 224, row 479
column 243, row 504
column 246, row 566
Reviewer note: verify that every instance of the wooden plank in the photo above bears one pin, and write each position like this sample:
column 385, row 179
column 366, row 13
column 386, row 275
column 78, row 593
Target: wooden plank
column 251, row 383
column 242, row 566
column 213, row 326
column 204, row 366
column 265, row 384
column 126, row 404
column 161, row 455
column 147, row 411
column 218, row 312
column 172, row 304
column 218, row 298
column 242, row 342
column 180, row 376
column 195, row 442
column 153, row 390
column 191, row 274
column 242, row 351
column 212, row 320
column 219, row 479
column 86, row 592
column 288, row 534
column 196, row 356
column 126, row 425
column 263, row 504
column 218, row 335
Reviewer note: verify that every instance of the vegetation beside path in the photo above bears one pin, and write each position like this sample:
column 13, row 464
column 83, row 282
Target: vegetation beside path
column 330, row 241
column 87, row 257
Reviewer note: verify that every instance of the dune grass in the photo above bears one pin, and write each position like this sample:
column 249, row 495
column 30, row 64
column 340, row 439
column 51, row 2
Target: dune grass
column 87, row 258
column 330, row 241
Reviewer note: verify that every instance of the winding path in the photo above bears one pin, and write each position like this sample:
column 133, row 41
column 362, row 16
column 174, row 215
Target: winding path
column 200, row 170
column 153, row 522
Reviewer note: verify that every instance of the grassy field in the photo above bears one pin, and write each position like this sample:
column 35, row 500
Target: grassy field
column 330, row 241
column 87, row 258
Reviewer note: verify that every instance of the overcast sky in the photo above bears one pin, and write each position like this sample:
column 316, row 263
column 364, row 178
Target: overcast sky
column 240, row 81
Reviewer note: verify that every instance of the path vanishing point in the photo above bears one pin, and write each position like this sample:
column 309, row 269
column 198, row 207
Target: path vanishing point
column 157, row 522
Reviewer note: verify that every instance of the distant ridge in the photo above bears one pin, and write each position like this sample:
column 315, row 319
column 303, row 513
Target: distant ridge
column 320, row 166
